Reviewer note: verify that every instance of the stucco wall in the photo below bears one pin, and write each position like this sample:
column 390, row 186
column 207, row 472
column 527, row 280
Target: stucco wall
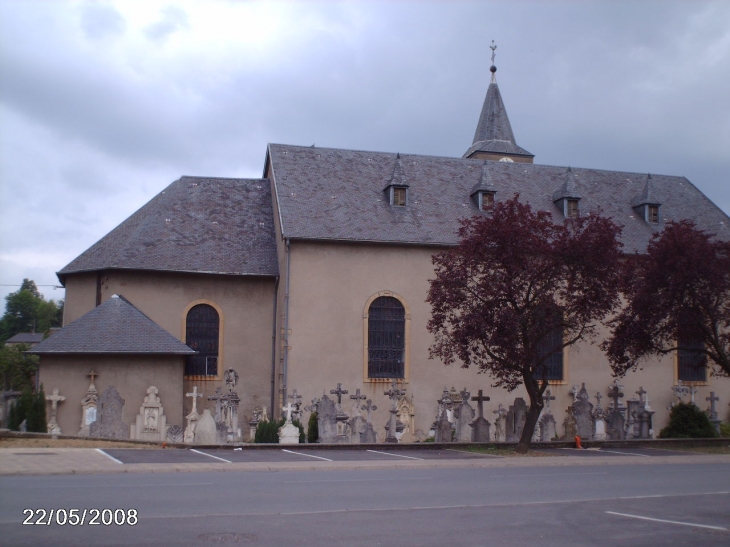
column 245, row 306
column 330, row 285
column 130, row 375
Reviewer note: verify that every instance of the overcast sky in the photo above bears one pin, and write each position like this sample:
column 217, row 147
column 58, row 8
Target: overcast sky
column 103, row 104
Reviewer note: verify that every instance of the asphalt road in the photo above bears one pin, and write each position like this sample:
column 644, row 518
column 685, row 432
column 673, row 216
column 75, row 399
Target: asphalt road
column 601, row 505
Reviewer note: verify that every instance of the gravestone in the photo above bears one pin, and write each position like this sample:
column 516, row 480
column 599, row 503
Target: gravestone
column 175, row 434
column 369, row 436
column 500, row 424
column 89, row 408
column 327, row 420
column 644, row 415
column 341, row 417
column 406, row 411
column 221, row 433
column 357, row 424
column 151, row 423
column 615, row 421
column 547, row 422
column 464, row 417
column 288, row 433
column 218, row 398
column 394, row 426
column 633, row 407
column 206, row 431
column 253, row 423
column 714, row 420
column 109, row 424
column 599, row 420
column 193, row 417
column 583, row 413
column 569, row 426
column 516, row 418
column 443, row 425
column 53, row 426
column 480, row 427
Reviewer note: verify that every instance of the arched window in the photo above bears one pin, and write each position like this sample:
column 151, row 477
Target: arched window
column 550, row 348
column 202, row 327
column 386, row 338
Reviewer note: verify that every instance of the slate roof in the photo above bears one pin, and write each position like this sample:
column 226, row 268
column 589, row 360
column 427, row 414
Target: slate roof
column 336, row 195
column 196, row 224
column 494, row 132
column 26, row 338
column 115, row 326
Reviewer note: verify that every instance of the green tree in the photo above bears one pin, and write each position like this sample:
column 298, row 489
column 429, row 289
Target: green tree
column 27, row 311
column 17, row 371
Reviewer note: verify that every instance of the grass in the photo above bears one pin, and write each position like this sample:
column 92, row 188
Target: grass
column 13, row 442
column 703, row 449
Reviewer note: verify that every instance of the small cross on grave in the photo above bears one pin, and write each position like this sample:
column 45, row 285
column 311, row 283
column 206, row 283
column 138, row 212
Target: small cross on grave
column 598, row 399
column 394, row 393
column 680, row 391
column 339, row 392
column 297, row 403
column 195, row 396
column 615, row 393
column 93, row 375
column 574, row 391
column 370, row 407
column 713, row 400
column 357, row 398
column 313, row 407
column 218, row 398
column 480, row 398
column 288, row 409
column 641, row 394
column 547, row 397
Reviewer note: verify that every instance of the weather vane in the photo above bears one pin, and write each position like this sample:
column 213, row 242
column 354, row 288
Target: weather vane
column 493, row 47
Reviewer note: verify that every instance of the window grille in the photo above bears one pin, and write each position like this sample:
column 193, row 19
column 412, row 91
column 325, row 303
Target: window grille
column 551, row 348
column 202, row 334
column 691, row 359
column 386, row 338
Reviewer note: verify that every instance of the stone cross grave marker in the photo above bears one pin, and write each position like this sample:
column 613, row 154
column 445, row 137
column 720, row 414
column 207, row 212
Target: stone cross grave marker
column 713, row 399
column 89, row 406
column 218, row 398
column 195, row 396
column 480, row 427
column 547, row 397
column 465, row 415
column 368, row 435
column 642, row 395
column 193, row 417
column 93, row 375
column 615, row 393
column 288, row 409
column 598, row 399
column 339, row 392
column 480, row 398
column 357, row 398
column 53, row 426
column 297, row 401
column 393, row 393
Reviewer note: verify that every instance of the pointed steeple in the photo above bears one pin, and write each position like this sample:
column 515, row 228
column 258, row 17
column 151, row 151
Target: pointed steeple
column 485, row 183
column 398, row 178
column 494, row 139
column 397, row 188
column 568, row 189
column 648, row 195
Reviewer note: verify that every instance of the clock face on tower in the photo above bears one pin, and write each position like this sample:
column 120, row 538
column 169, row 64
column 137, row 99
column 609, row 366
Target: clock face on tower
column 508, row 160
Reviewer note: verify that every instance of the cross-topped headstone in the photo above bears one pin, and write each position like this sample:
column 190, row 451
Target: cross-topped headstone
column 288, row 409
column 464, row 394
column 218, row 398
column 55, row 399
column 370, row 408
column 195, row 396
column 93, row 375
column 480, row 398
column 357, row 397
column 394, row 393
column 339, row 392
column 547, row 397
column 313, row 407
column 574, row 391
column 641, row 393
column 713, row 400
column 598, row 399
column 615, row 393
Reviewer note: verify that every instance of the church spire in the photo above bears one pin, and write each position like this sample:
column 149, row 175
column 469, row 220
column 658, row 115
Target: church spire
column 493, row 139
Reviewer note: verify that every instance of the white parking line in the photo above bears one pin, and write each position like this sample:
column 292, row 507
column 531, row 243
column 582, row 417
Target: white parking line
column 210, row 455
column 308, row 455
column 396, row 455
column 100, row 451
column 668, row 521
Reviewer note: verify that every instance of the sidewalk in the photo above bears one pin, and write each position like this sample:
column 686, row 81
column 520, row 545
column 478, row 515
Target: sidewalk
column 79, row 461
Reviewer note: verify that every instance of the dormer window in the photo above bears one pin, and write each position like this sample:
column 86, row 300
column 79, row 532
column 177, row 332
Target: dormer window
column 398, row 196
column 486, row 201
column 652, row 213
column 571, row 208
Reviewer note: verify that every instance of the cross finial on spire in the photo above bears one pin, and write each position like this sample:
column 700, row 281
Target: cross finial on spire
column 493, row 69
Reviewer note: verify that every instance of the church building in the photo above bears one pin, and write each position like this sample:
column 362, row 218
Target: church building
column 316, row 274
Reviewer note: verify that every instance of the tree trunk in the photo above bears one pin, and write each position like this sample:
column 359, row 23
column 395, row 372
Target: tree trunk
column 536, row 404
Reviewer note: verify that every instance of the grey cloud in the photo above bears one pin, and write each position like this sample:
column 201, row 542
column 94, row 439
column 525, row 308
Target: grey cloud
column 172, row 20
column 99, row 21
